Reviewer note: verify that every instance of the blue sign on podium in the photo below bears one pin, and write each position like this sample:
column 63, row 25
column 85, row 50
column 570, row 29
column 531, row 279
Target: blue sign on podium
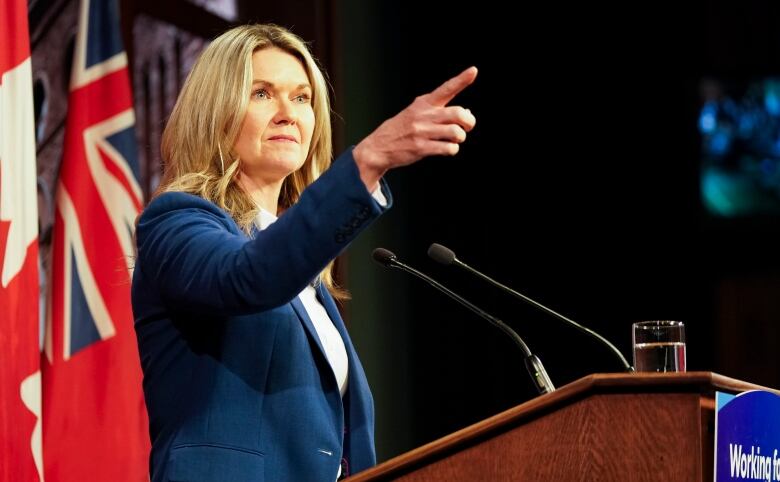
column 747, row 436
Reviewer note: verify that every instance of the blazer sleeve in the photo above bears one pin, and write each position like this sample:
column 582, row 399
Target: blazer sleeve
column 193, row 254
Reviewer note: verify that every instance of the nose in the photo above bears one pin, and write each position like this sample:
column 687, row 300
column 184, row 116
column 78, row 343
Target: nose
column 285, row 113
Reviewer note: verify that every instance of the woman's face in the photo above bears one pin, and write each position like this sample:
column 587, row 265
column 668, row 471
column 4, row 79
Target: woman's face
column 276, row 132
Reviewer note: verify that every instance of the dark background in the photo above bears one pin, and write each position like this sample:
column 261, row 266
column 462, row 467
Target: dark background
column 579, row 186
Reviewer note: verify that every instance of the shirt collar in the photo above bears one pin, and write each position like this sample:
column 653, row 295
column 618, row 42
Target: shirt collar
column 264, row 219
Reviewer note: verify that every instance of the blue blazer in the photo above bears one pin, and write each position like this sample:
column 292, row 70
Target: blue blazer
column 236, row 383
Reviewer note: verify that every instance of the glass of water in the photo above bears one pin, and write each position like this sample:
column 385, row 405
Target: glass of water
column 659, row 346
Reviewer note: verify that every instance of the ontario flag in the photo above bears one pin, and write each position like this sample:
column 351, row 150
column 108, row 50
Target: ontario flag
column 94, row 420
column 20, row 376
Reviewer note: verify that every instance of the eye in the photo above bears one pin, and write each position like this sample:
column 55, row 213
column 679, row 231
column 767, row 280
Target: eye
column 302, row 98
column 260, row 94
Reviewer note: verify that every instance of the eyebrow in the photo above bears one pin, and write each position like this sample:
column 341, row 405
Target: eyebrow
column 271, row 84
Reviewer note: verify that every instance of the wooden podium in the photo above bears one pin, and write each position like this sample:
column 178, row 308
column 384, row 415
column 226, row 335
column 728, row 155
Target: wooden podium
column 605, row 427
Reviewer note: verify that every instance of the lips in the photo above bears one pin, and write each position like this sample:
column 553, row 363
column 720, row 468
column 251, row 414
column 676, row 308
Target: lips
column 283, row 137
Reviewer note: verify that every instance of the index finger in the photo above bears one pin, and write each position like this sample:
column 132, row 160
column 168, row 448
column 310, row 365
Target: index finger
column 448, row 90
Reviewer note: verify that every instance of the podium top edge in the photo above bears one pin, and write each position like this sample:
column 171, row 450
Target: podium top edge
column 707, row 382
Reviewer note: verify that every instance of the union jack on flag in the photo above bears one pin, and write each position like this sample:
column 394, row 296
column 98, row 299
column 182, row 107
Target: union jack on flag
column 94, row 420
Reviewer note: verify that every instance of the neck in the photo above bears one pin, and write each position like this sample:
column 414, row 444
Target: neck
column 264, row 194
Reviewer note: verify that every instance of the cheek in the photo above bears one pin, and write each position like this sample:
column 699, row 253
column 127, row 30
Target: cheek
column 258, row 123
column 308, row 126
column 245, row 135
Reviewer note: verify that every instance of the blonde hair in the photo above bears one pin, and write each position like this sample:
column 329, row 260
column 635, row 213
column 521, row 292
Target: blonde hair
column 197, row 144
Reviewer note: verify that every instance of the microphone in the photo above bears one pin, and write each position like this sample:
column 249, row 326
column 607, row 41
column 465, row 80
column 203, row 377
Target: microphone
column 533, row 364
column 446, row 256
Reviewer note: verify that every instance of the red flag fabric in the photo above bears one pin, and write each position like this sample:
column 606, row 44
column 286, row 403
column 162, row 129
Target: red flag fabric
column 94, row 420
column 20, row 381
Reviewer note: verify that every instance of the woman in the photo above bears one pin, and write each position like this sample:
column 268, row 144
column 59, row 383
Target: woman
column 249, row 373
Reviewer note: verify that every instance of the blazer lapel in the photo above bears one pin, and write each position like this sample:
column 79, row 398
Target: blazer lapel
column 357, row 402
column 356, row 378
column 333, row 312
column 333, row 396
column 297, row 305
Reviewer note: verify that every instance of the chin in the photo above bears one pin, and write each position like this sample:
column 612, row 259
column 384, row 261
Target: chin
column 285, row 162
column 287, row 169
column 296, row 164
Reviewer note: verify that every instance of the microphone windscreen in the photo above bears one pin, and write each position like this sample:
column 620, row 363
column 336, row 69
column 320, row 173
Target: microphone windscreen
column 441, row 254
column 383, row 256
